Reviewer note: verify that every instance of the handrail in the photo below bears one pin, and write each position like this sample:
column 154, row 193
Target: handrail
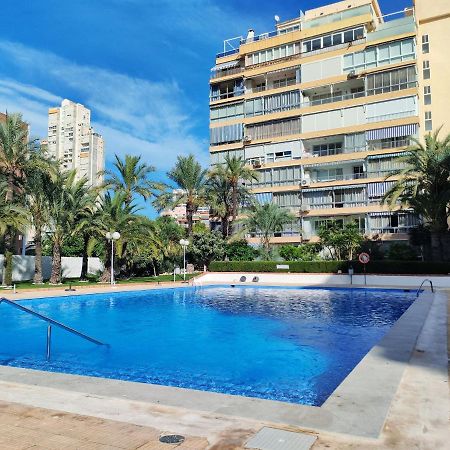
column 50, row 323
column 424, row 281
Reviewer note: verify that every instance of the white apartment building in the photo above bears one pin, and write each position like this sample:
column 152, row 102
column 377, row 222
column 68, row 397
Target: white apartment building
column 73, row 142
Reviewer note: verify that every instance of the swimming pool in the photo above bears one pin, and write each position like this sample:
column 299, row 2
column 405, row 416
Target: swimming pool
column 287, row 344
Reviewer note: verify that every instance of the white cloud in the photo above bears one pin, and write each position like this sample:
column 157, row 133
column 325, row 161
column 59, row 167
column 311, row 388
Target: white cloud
column 133, row 114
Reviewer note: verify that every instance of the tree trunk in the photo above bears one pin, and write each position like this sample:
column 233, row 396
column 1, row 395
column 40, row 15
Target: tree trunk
column 8, row 239
column 106, row 275
column 55, row 277
column 189, row 217
column 85, row 260
column 38, row 257
column 225, row 227
column 436, row 246
column 234, row 200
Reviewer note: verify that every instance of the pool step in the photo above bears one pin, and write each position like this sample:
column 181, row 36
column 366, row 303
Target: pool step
column 274, row 439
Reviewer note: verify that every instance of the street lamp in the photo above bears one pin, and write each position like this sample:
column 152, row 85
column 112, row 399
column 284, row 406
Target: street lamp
column 184, row 243
column 112, row 236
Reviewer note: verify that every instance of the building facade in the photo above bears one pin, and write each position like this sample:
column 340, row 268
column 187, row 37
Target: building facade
column 179, row 213
column 324, row 106
column 73, row 142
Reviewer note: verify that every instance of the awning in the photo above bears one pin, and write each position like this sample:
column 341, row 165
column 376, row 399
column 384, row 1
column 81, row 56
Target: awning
column 334, row 163
column 227, row 65
column 385, row 133
column 264, row 197
column 379, row 189
column 388, row 155
column 334, row 188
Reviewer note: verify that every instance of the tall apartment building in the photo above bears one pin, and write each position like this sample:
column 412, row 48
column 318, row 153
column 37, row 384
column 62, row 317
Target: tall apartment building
column 324, row 106
column 74, row 143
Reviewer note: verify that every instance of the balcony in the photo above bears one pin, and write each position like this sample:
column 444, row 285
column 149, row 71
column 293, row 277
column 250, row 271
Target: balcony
column 392, row 116
column 226, row 72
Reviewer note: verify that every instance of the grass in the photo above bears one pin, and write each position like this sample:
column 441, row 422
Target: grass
column 93, row 282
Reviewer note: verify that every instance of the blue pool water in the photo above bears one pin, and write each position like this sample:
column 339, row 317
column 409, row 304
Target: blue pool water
column 292, row 345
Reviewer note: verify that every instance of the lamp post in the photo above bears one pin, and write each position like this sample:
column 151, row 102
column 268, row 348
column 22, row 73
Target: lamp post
column 112, row 236
column 184, row 243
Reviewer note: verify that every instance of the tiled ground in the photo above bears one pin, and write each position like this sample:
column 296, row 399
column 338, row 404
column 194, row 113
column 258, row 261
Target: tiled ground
column 23, row 427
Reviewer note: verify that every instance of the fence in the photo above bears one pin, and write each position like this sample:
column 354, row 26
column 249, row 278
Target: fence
column 23, row 267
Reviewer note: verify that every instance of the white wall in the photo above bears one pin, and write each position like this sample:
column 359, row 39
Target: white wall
column 322, row 69
column 23, row 267
column 411, row 281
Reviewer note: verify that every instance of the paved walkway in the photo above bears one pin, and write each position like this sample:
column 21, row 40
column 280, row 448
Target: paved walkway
column 23, row 427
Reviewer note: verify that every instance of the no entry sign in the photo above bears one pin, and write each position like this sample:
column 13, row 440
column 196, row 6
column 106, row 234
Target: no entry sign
column 364, row 258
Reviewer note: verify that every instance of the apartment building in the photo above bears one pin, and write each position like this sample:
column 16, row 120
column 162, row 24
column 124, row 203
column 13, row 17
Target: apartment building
column 74, row 143
column 324, row 107
column 179, row 213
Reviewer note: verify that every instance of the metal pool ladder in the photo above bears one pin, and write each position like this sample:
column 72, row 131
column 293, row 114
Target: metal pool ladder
column 49, row 327
column 420, row 287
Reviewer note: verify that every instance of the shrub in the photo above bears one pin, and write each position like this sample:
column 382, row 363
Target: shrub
column 376, row 267
column 400, row 251
column 240, row 251
column 303, row 252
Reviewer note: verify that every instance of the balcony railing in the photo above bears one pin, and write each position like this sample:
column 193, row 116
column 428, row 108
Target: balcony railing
column 226, row 72
column 353, row 176
column 385, row 145
column 392, row 116
column 227, row 53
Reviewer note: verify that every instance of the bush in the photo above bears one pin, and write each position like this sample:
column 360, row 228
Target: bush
column 400, row 251
column 240, row 251
column 303, row 252
column 376, row 267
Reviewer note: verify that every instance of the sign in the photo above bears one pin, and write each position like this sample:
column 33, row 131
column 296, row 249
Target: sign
column 283, row 266
column 364, row 258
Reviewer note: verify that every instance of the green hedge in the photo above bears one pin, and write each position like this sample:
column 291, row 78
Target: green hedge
column 379, row 267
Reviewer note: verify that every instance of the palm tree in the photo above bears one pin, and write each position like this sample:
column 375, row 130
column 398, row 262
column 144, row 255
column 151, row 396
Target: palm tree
column 424, row 186
column 235, row 171
column 117, row 215
column 88, row 223
column 190, row 188
column 131, row 177
column 220, row 198
column 67, row 199
column 15, row 152
column 12, row 215
column 38, row 194
column 266, row 220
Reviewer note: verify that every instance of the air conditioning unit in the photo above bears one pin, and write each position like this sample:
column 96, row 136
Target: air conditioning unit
column 247, row 138
column 305, row 182
column 352, row 74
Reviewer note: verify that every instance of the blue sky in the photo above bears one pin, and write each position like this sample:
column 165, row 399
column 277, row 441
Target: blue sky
column 141, row 66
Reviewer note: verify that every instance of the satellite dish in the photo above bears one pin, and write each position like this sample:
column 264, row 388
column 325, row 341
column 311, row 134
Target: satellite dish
column 277, row 18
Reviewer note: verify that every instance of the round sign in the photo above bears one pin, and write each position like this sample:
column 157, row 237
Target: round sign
column 364, row 258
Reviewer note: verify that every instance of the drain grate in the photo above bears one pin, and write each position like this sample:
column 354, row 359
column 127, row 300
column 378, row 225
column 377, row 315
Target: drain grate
column 172, row 439
column 273, row 439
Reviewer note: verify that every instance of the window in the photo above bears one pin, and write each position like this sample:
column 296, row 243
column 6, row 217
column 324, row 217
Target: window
column 425, row 44
column 333, row 39
column 358, row 172
column 392, row 80
column 427, row 95
column 379, row 55
column 273, row 53
column 428, row 121
column 228, row 112
column 426, row 70
column 332, row 148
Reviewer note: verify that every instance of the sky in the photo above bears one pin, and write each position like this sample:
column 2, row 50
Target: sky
column 141, row 66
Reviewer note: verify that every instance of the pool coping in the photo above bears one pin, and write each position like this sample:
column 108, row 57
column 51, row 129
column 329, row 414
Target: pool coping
column 359, row 405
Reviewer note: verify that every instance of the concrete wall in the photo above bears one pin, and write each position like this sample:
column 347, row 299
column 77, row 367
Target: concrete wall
column 411, row 281
column 23, row 267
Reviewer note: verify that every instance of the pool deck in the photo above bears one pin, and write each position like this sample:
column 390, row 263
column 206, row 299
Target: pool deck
column 397, row 395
